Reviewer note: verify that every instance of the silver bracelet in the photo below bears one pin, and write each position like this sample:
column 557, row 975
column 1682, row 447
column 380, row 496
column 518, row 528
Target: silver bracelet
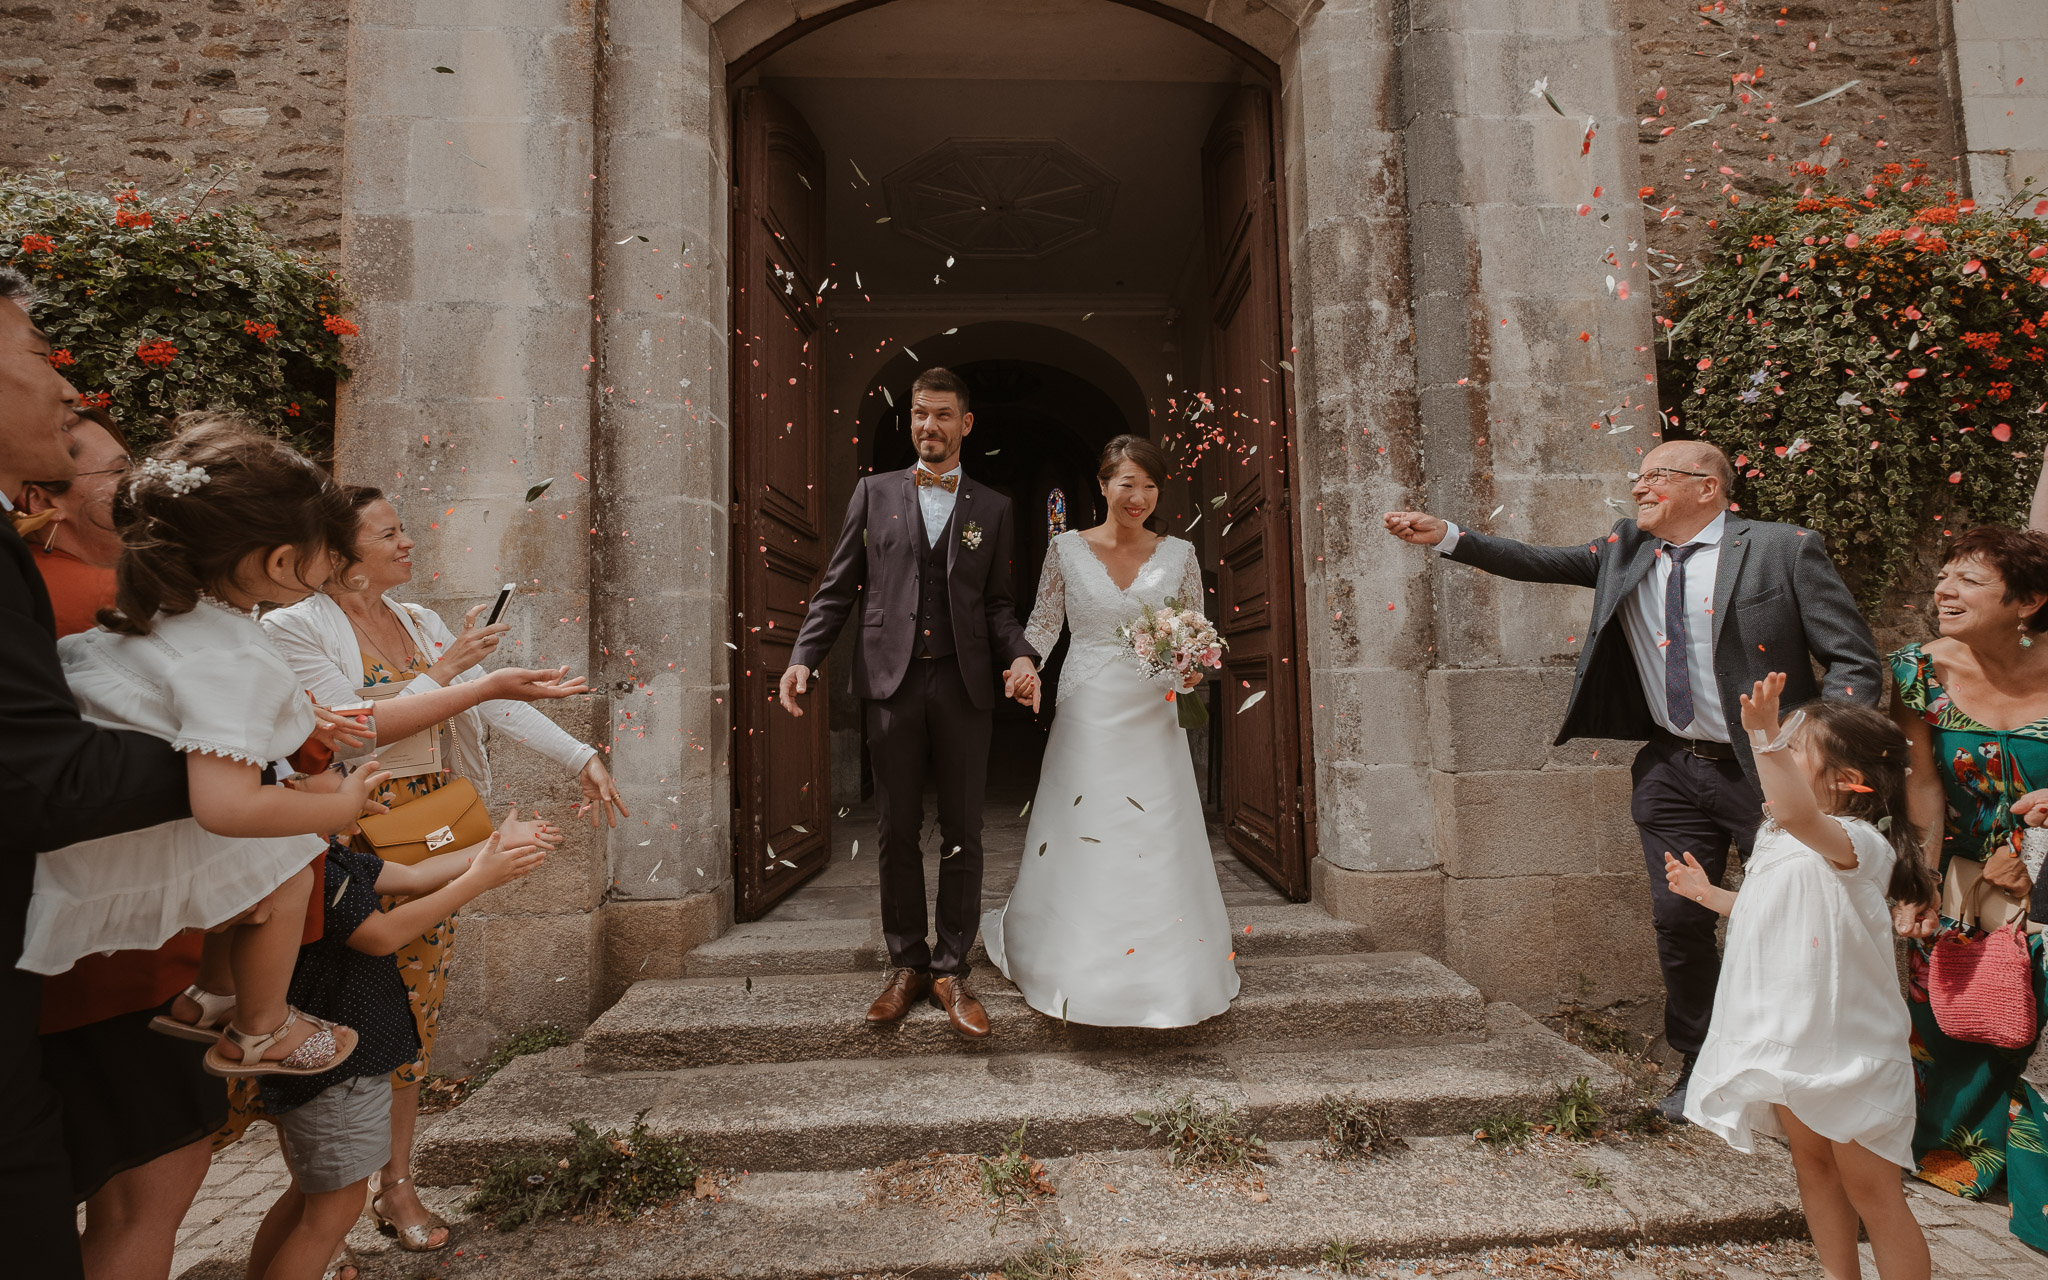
column 1762, row 743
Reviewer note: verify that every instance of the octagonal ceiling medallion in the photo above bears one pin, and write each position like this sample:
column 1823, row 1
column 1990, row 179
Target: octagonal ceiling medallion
column 1000, row 197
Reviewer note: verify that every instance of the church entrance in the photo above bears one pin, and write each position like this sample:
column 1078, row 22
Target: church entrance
column 1076, row 207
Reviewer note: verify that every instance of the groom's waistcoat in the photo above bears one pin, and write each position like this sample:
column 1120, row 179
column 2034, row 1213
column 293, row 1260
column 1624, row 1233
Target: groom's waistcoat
column 934, row 603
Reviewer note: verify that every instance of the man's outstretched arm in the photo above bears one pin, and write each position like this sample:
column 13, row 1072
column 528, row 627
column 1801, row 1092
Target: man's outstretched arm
column 846, row 573
column 1577, row 565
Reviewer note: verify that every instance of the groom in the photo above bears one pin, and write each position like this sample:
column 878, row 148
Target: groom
column 925, row 554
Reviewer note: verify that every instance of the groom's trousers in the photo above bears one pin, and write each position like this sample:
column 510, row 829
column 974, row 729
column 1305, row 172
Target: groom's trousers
column 929, row 719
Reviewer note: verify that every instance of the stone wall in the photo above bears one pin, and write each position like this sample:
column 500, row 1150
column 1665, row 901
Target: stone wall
column 2001, row 61
column 152, row 94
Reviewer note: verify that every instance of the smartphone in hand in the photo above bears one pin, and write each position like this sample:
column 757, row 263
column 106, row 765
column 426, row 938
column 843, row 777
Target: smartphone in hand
column 498, row 606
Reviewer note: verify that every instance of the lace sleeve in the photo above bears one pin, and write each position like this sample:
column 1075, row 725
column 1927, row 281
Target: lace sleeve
column 1191, row 594
column 1049, row 612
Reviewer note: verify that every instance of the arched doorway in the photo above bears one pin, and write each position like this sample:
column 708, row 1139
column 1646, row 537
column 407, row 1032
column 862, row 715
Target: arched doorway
column 905, row 182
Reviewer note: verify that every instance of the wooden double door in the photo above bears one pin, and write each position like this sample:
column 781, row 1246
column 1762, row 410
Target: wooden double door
column 782, row 804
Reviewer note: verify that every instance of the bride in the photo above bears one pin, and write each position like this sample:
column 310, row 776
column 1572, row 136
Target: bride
column 1116, row 919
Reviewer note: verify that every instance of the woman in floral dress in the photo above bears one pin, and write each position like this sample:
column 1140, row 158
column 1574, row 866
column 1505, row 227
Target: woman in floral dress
column 1975, row 705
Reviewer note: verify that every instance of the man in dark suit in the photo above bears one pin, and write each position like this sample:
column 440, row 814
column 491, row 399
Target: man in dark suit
column 62, row 780
column 925, row 554
column 1691, row 606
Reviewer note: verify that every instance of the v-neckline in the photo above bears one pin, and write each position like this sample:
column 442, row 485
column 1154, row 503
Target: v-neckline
column 1103, row 565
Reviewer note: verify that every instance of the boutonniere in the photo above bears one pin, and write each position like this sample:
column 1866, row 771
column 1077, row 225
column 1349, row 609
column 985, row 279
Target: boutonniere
column 970, row 537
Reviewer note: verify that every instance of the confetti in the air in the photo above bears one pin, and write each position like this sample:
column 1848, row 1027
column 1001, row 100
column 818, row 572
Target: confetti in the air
column 539, row 489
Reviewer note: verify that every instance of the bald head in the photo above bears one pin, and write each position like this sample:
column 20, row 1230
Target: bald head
column 1680, row 487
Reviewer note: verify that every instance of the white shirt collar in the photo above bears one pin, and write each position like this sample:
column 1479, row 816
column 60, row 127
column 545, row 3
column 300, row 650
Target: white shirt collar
column 927, row 470
column 1709, row 536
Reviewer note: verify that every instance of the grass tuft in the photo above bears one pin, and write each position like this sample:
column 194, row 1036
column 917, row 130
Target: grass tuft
column 439, row 1092
column 1011, row 1175
column 605, row 1175
column 1589, row 1177
column 1203, row 1137
column 1054, row 1259
column 1354, row 1130
column 1344, row 1255
column 1506, row 1130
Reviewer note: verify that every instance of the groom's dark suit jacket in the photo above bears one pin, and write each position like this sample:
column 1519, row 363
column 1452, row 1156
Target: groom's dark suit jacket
column 1779, row 605
column 876, row 567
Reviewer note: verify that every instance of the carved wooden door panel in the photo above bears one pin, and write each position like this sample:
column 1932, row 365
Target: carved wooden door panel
column 1264, row 791
column 781, row 765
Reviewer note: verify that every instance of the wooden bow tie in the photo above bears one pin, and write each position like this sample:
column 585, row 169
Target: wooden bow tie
column 950, row 482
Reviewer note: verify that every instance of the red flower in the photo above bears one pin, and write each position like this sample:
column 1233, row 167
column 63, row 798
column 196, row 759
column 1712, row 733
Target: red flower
column 1936, row 214
column 123, row 218
column 263, row 332
column 339, row 327
column 2000, row 391
column 38, row 244
column 292, row 409
column 96, row 399
column 62, row 356
column 156, row 354
column 1980, row 341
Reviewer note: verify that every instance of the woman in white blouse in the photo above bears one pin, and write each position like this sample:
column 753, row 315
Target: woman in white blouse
column 357, row 638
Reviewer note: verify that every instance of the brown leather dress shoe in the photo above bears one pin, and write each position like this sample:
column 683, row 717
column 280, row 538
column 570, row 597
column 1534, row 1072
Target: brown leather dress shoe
column 962, row 1009
column 906, row 987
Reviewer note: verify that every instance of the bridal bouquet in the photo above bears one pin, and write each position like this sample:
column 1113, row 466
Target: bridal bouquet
column 1170, row 643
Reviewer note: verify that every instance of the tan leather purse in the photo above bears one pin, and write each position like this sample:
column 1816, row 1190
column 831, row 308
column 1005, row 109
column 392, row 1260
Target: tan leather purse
column 453, row 816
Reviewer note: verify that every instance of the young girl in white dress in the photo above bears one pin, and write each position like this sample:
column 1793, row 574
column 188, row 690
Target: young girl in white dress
column 212, row 523
column 1808, row 1039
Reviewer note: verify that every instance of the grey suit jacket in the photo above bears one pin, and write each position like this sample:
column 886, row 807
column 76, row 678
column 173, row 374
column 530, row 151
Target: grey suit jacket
column 875, row 569
column 1779, row 605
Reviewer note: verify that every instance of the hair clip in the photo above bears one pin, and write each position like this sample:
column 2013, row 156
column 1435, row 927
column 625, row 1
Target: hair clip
column 178, row 476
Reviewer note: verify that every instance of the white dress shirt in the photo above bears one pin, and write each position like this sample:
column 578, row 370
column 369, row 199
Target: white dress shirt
column 936, row 503
column 1642, row 616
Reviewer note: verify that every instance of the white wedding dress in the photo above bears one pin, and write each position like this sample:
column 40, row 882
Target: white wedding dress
column 1116, row 919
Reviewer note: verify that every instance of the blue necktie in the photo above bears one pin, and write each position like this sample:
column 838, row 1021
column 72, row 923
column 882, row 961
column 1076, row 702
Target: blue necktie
column 1677, row 675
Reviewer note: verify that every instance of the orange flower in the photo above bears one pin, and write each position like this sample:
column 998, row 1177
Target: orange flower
column 339, row 327
column 62, row 356
column 156, row 354
column 262, row 332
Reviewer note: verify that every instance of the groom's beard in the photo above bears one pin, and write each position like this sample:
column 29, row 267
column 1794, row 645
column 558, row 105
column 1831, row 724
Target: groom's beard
column 935, row 453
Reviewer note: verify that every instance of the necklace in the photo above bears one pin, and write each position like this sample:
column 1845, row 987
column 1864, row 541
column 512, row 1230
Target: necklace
column 207, row 597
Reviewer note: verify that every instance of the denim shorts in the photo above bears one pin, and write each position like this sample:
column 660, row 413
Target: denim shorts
column 339, row 1138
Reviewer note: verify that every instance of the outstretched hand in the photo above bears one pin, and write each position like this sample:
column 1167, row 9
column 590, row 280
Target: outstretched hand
column 1021, row 682
column 796, row 681
column 1418, row 528
column 1760, row 704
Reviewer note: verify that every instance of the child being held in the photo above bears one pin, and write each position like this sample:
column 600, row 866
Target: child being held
column 335, row 1127
column 1809, row 1034
column 214, row 523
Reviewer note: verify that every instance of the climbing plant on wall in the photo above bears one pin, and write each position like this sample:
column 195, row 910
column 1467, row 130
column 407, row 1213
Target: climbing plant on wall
column 160, row 304
column 1872, row 361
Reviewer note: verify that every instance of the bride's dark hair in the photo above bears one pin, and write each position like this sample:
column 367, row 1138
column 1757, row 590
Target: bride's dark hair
column 1149, row 457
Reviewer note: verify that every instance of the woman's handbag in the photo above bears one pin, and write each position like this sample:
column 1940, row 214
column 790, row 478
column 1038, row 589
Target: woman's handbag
column 1982, row 988
column 453, row 816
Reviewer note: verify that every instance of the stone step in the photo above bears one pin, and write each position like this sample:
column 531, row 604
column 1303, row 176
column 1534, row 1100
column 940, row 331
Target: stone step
column 694, row 1022
column 855, row 946
column 854, row 1113
column 1443, row 1195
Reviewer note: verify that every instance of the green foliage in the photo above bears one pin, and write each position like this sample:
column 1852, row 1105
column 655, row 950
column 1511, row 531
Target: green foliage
column 1870, row 360
column 1353, row 1130
column 1589, row 1177
column 1202, row 1137
column 1506, row 1130
column 162, row 304
column 1010, row 1174
column 538, row 1038
column 1576, row 1113
column 1344, row 1255
column 606, row 1175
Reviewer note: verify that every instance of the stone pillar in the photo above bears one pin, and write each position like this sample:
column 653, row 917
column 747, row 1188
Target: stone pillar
column 1537, row 396
column 467, row 235
column 1367, row 637
column 662, row 484
column 2001, row 59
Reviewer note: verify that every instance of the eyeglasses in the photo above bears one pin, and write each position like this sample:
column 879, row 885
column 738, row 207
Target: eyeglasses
column 1662, row 475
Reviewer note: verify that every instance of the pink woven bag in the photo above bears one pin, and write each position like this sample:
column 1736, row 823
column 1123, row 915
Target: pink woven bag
column 1982, row 989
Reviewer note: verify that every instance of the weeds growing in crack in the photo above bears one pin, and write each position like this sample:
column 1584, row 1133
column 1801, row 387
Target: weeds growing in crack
column 1508, row 1131
column 1203, row 1137
column 1576, row 1114
column 605, row 1175
column 1012, row 1176
column 1054, row 1259
column 1344, row 1255
column 1354, row 1130
column 1589, row 1177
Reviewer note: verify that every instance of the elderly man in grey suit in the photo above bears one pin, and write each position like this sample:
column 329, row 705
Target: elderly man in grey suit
column 1691, row 605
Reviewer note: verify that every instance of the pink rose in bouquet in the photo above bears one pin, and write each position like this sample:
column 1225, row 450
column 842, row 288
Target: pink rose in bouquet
column 1173, row 644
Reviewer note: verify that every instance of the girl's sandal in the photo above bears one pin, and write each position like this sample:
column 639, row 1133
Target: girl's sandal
column 345, row 1260
column 412, row 1239
column 215, row 1010
column 321, row 1051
